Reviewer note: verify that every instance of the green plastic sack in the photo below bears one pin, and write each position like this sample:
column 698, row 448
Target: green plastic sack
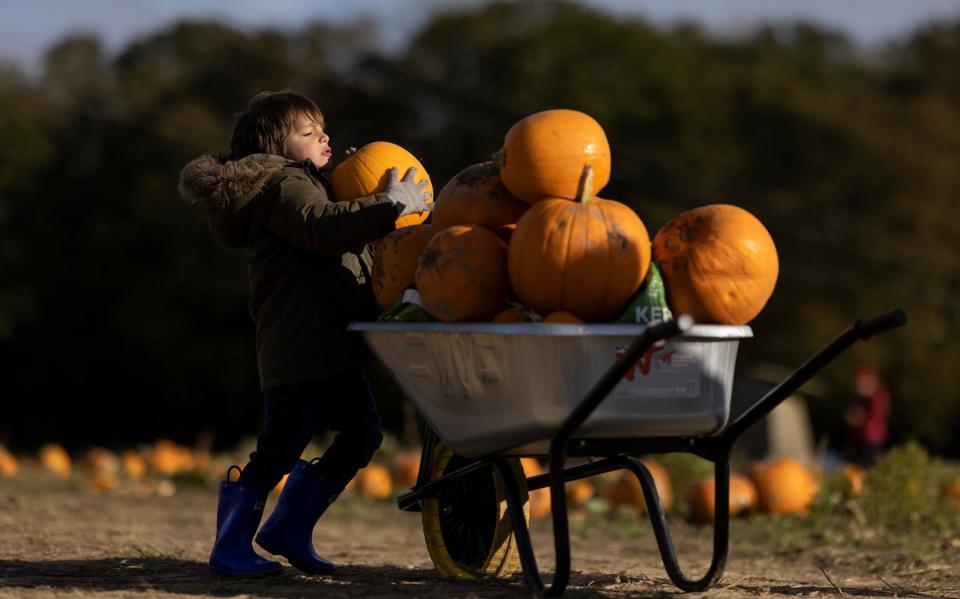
column 406, row 308
column 650, row 303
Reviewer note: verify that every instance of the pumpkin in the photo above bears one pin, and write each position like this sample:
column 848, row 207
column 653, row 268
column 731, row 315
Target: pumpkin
column 562, row 317
column 510, row 315
column 169, row 458
column 476, row 196
column 784, row 486
column 539, row 499
column 580, row 491
column 54, row 458
column 100, row 461
column 462, row 275
column 104, row 481
column 701, row 497
column 8, row 463
column 134, row 465
column 587, row 257
column 373, row 482
column 395, row 261
column 404, row 469
column 854, row 476
column 718, row 262
column 365, row 173
column 626, row 489
column 543, row 154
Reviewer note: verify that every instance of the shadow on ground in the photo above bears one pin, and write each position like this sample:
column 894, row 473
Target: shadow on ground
column 173, row 575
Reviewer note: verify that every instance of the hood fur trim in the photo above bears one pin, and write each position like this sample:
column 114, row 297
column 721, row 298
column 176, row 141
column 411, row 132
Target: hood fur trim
column 227, row 183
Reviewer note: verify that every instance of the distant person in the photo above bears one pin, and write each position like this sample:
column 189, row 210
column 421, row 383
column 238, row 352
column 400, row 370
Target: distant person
column 869, row 415
column 309, row 276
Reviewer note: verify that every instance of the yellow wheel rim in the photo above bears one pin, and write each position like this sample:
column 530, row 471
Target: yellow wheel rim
column 467, row 528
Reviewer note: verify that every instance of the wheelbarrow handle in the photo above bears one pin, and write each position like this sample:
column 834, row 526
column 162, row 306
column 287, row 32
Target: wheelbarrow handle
column 862, row 329
column 867, row 327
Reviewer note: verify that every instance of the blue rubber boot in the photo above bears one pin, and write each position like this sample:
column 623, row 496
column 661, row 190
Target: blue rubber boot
column 238, row 515
column 289, row 529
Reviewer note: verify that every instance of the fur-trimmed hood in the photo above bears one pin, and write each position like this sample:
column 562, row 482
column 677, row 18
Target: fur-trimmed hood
column 225, row 183
column 226, row 188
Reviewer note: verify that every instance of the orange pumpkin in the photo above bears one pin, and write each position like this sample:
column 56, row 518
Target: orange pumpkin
column 365, row 173
column 169, row 458
column 539, row 499
column 718, row 262
column 563, row 317
column 8, row 463
column 854, row 475
column 586, row 257
column 373, row 482
column 395, row 261
column 626, row 489
column 404, row 468
column 743, row 498
column 476, row 196
column 784, row 486
column 55, row 459
column 134, row 465
column 543, row 154
column 580, row 491
column 100, row 461
column 510, row 315
column 462, row 274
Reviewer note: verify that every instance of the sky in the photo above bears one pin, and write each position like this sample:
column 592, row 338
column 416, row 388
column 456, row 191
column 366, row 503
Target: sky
column 28, row 27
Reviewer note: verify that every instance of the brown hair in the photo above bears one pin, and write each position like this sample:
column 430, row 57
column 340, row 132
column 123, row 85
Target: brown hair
column 267, row 120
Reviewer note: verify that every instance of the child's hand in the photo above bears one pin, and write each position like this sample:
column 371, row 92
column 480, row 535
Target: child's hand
column 407, row 195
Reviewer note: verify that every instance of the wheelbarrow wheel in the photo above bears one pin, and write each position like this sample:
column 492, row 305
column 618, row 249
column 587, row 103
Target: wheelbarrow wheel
column 467, row 526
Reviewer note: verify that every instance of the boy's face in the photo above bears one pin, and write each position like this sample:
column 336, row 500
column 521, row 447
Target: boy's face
column 307, row 140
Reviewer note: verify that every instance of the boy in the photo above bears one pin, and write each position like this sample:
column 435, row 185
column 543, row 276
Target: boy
column 309, row 276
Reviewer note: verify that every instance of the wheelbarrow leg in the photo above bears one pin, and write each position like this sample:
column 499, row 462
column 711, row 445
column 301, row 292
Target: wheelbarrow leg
column 659, row 521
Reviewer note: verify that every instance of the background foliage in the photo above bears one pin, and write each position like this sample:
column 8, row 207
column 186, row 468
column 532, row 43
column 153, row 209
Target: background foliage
column 122, row 320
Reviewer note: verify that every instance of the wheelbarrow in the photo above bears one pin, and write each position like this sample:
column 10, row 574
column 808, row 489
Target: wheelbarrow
column 492, row 393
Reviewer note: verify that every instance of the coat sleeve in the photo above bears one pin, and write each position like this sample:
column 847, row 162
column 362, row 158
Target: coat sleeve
column 302, row 214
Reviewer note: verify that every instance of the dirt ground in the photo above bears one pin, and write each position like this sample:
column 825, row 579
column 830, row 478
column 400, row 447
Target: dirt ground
column 60, row 540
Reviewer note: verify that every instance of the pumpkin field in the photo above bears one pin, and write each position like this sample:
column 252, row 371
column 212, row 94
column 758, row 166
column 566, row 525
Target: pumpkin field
column 141, row 521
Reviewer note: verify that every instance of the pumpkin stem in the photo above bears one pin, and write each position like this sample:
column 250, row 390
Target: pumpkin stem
column 585, row 187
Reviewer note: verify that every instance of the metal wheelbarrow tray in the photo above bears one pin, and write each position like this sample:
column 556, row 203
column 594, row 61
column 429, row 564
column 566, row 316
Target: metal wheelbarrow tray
column 491, row 392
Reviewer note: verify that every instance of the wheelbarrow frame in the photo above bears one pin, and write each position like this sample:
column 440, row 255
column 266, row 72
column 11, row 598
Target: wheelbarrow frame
column 617, row 454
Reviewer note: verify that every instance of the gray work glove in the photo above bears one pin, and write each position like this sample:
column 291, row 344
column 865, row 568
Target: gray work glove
column 407, row 195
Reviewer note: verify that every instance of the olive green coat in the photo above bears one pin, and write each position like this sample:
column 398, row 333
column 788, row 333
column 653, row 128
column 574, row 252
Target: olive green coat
column 310, row 263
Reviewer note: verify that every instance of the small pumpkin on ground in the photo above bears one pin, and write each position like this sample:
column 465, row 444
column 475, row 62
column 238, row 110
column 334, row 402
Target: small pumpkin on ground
column 587, row 257
column 462, row 275
column 8, row 463
column 54, row 458
column 404, row 468
column 539, row 499
column 395, row 260
column 701, row 497
column 784, row 486
column 626, row 489
column 476, row 196
column 365, row 173
column 718, row 262
column 543, row 154
column 373, row 482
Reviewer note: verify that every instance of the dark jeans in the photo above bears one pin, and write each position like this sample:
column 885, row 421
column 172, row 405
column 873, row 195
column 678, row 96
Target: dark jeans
column 342, row 403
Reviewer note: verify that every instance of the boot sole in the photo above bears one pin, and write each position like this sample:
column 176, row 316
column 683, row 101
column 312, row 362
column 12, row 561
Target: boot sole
column 295, row 563
column 225, row 573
